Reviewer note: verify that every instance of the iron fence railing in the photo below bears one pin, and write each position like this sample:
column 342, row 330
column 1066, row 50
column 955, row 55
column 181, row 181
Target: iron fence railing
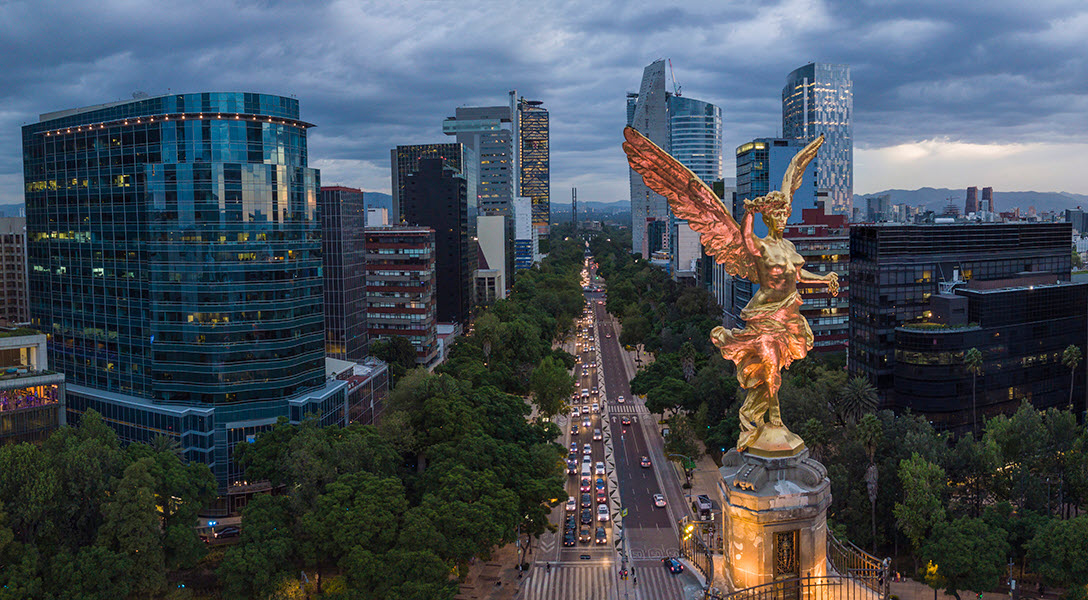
column 847, row 560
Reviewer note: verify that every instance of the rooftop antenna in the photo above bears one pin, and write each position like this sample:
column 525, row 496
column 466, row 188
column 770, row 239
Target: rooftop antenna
column 675, row 87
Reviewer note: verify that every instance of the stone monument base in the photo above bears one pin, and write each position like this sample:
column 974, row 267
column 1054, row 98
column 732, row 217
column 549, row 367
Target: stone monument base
column 775, row 517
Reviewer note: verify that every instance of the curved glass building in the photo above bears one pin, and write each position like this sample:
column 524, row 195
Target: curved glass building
column 174, row 250
column 695, row 136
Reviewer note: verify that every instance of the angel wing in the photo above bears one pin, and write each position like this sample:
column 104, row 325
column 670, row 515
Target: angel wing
column 692, row 200
column 791, row 181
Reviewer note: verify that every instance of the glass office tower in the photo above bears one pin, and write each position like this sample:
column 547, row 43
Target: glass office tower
column 534, row 161
column 174, row 250
column 819, row 99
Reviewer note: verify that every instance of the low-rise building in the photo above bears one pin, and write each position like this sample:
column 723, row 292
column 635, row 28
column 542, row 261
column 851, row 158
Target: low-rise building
column 32, row 397
column 400, row 287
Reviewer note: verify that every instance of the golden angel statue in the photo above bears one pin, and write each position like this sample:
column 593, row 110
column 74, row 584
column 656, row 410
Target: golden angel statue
column 776, row 334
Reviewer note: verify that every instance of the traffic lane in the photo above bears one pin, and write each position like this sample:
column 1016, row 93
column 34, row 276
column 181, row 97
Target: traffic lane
column 638, row 485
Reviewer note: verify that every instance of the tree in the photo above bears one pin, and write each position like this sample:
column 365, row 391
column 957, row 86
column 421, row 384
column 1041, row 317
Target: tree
column 487, row 330
column 669, row 394
column 1059, row 551
column 1077, row 260
column 922, row 507
column 972, row 361
column 968, row 554
column 551, row 384
column 265, row 552
column 869, row 433
column 634, row 332
column 857, row 398
column 1071, row 359
column 687, row 360
column 131, row 528
column 398, row 352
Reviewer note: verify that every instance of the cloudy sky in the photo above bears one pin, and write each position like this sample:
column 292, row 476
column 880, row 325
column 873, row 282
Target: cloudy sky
column 946, row 94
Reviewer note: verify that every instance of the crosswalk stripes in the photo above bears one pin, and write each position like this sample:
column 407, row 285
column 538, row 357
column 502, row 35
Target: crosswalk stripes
column 601, row 582
column 627, row 409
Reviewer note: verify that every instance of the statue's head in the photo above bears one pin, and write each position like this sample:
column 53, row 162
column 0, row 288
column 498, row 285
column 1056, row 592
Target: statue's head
column 775, row 208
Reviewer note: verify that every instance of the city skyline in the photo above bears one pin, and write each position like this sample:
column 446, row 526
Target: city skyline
column 944, row 96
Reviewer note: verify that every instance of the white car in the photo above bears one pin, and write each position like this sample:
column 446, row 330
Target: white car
column 602, row 512
column 587, row 449
column 620, row 400
column 599, row 468
column 575, row 412
column 596, row 407
column 597, row 435
column 572, row 504
column 659, row 500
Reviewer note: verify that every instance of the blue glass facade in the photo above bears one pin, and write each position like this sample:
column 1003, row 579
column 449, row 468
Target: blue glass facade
column 174, row 250
column 819, row 99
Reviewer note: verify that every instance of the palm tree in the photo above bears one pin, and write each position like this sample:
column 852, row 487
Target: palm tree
column 857, row 398
column 972, row 361
column 869, row 433
column 687, row 360
column 1071, row 359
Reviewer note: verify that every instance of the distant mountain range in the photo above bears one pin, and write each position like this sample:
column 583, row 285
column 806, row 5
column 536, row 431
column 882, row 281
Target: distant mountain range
column 936, row 199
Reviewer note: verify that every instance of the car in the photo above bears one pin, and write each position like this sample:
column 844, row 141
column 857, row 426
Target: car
column 601, row 536
column 586, row 485
column 659, row 500
column 597, row 435
column 587, row 449
column 574, row 430
column 587, row 516
column 602, row 512
column 600, row 483
column 645, row 462
column 569, row 539
column 572, row 467
column 572, row 505
column 595, row 391
column 601, row 497
column 574, row 446
column 584, row 536
column 599, row 468
column 573, row 455
column 586, row 460
column 586, row 501
column 572, row 521
column 229, row 531
column 596, row 407
column 585, row 392
column 625, row 421
column 674, row 566
column 585, row 423
column 601, row 302
column 620, row 400
column 608, row 335
column 575, row 412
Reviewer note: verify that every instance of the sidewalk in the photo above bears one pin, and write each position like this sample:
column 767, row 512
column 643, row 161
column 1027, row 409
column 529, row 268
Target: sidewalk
column 496, row 579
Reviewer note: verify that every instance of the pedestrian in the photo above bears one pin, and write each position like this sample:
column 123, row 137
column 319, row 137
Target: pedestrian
column 548, row 567
column 635, row 579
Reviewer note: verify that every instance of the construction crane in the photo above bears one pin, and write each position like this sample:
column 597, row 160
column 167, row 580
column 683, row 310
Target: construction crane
column 675, row 87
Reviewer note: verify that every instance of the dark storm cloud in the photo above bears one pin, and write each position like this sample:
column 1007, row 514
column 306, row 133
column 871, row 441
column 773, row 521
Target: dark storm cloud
column 374, row 75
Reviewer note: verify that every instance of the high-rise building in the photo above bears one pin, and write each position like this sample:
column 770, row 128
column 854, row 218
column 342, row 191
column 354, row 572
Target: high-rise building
column 695, row 139
column 343, row 255
column 526, row 244
column 690, row 130
column 988, row 199
column 435, row 196
column 879, row 208
column 819, row 99
column 823, row 240
column 188, row 302
column 404, row 160
column 649, row 117
column 487, row 132
column 971, row 205
column 14, row 297
column 896, row 269
column 534, row 161
column 400, row 288
column 761, row 165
